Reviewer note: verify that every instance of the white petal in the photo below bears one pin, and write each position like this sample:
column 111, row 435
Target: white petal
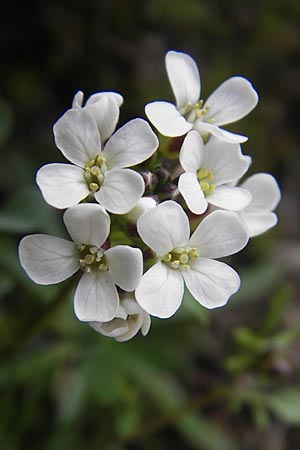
column 231, row 101
column 104, row 107
column 265, row 192
column 259, row 222
column 160, row 291
column 114, row 328
column 47, row 259
column 225, row 160
column 134, row 326
column 62, row 185
column 130, row 145
column 78, row 100
column 125, row 266
column 164, row 227
column 94, row 98
column 211, row 282
column 229, row 197
column 219, row 234
column 205, row 128
column 121, row 190
column 167, row 119
column 191, row 153
column 77, row 136
column 146, row 324
column 184, row 78
column 143, row 205
column 96, row 298
column 191, row 191
column 87, row 223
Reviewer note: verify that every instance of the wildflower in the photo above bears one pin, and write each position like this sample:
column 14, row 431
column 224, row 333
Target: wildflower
column 50, row 260
column 97, row 173
column 190, row 260
column 208, row 170
column 231, row 101
column 129, row 319
column 105, row 109
column 258, row 216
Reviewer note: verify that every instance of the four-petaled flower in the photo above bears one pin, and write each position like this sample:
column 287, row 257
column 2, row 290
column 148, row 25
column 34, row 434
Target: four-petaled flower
column 208, row 170
column 181, row 258
column 98, row 172
column 231, row 101
column 49, row 260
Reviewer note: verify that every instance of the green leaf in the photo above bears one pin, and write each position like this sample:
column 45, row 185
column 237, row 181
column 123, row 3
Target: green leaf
column 278, row 305
column 27, row 212
column 285, row 403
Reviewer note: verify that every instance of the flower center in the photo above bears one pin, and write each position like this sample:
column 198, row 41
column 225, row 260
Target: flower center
column 205, row 178
column 193, row 112
column 95, row 172
column 91, row 258
column 180, row 257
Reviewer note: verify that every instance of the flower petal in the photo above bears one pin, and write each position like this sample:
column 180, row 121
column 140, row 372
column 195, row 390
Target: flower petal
column 125, row 266
column 77, row 136
column 191, row 153
column 77, row 99
column 265, row 192
column 167, row 119
column 219, row 234
column 160, row 291
column 121, row 190
column 259, row 222
column 96, row 298
column 114, row 328
column 143, row 205
column 225, row 160
column 230, row 197
column 211, row 282
column 205, row 128
column 62, row 185
column 105, row 109
column 231, row 101
column 87, row 223
column 130, row 145
column 47, row 259
column 95, row 98
column 164, row 227
column 184, row 78
column 192, row 193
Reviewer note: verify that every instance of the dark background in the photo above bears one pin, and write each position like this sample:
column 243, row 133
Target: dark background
column 210, row 380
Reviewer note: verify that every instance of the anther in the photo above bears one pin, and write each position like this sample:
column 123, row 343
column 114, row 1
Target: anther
column 184, row 258
column 94, row 187
column 204, row 186
column 167, row 257
column 202, row 173
column 95, row 171
column 89, row 259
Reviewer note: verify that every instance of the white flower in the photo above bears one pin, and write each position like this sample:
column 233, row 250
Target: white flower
column 258, row 217
column 129, row 319
column 105, row 109
column 208, row 170
column 49, row 260
column 165, row 229
column 231, row 101
column 101, row 173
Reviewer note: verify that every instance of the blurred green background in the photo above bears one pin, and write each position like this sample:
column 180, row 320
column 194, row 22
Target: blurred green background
column 210, row 380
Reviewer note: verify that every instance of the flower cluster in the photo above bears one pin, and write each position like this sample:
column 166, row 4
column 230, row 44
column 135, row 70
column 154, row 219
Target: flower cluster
column 149, row 218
